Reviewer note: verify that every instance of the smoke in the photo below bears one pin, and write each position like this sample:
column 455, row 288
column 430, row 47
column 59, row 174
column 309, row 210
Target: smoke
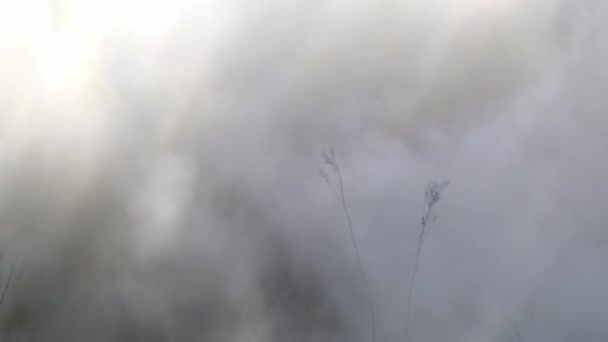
column 159, row 169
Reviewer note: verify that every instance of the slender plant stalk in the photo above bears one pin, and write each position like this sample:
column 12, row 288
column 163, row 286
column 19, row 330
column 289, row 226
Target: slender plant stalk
column 433, row 195
column 4, row 289
column 413, row 278
column 330, row 159
column 359, row 262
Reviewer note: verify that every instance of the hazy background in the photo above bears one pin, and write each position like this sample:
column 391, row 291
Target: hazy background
column 159, row 169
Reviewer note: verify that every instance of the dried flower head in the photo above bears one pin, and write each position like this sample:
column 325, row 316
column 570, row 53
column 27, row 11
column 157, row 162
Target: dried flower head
column 433, row 192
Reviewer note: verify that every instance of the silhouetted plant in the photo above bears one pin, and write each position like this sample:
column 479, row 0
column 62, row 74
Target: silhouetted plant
column 432, row 195
column 329, row 158
column 4, row 287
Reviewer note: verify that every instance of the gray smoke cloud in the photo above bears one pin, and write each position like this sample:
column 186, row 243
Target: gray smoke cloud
column 159, row 169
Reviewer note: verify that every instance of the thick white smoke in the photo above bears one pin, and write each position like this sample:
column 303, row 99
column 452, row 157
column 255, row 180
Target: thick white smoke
column 159, row 169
